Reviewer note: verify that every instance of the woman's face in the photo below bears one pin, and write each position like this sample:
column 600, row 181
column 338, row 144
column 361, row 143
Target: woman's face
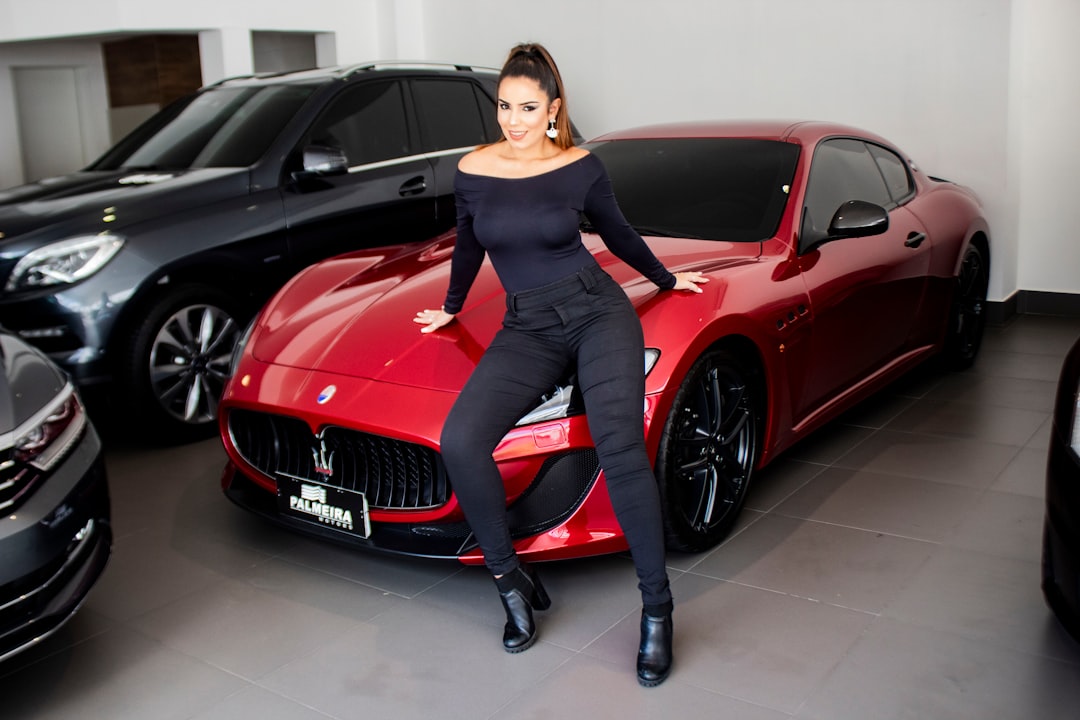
column 524, row 112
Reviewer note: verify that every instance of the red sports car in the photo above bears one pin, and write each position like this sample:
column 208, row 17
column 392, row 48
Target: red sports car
column 836, row 265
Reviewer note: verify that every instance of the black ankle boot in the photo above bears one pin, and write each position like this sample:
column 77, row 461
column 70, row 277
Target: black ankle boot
column 654, row 653
column 521, row 593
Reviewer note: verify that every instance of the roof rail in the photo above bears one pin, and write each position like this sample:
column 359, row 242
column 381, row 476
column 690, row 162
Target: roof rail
column 411, row 65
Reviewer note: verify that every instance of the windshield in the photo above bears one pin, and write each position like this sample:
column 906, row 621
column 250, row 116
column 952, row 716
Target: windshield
column 731, row 189
column 220, row 127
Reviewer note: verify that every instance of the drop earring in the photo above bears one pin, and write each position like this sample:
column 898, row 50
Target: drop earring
column 552, row 131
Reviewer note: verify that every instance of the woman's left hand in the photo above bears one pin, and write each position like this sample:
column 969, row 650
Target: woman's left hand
column 689, row 281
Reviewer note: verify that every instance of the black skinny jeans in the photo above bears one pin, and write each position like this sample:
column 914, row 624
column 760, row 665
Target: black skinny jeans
column 585, row 318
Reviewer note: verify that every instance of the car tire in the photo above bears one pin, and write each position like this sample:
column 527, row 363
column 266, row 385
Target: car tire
column 708, row 451
column 967, row 316
column 176, row 363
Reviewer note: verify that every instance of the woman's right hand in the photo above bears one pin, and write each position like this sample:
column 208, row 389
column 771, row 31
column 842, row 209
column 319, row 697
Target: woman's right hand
column 432, row 320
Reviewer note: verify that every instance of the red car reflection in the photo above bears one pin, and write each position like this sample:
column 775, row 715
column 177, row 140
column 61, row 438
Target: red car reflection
column 836, row 266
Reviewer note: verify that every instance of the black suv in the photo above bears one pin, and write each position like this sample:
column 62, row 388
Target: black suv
column 144, row 267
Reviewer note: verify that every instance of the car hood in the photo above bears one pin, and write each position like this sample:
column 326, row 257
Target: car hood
column 28, row 382
column 353, row 315
column 95, row 200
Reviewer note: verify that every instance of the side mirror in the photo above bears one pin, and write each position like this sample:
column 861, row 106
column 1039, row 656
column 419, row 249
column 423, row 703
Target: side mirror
column 858, row 218
column 855, row 218
column 325, row 160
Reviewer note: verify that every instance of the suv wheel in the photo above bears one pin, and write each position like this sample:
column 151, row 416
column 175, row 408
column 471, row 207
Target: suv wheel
column 177, row 362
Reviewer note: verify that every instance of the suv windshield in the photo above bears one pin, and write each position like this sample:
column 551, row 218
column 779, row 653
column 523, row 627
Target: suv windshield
column 221, row 127
column 731, row 189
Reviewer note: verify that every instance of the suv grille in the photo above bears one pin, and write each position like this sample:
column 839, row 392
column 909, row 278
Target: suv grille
column 392, row 474
column 16, row 480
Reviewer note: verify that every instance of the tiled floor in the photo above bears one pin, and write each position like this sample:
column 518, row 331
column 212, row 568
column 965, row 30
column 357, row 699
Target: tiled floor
column 888, row 567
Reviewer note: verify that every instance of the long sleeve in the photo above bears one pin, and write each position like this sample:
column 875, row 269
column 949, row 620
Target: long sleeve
column 603, row 212
column 466, row 261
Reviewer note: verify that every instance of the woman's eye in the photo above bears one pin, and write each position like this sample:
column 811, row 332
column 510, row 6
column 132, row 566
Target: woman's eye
column 529, row 108
column 504, row 106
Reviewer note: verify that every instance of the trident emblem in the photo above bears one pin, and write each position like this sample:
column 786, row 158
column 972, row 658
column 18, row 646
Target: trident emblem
column 323, row 461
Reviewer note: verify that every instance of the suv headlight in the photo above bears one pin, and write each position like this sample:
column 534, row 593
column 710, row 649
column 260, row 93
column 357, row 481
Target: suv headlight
column 64, row 262
column 562, row 401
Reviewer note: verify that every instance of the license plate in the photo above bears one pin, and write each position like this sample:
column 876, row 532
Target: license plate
column 333, row 507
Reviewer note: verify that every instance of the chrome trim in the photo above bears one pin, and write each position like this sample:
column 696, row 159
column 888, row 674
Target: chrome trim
column 77, row 555
column 410, row 158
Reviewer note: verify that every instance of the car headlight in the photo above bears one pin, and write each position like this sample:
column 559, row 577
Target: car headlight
column 47, row 437
column 64, row 262
column 563, row 402
column 238, row 349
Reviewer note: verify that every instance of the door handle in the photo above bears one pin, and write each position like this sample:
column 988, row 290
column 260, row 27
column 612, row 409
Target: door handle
column 415, row 186
column 914, row 239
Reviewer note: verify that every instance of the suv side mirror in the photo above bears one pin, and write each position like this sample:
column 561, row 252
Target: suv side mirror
column 325, row 160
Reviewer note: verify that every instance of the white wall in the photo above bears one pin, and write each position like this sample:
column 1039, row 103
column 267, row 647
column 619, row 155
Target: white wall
column 978, row 91
column 1047, row 98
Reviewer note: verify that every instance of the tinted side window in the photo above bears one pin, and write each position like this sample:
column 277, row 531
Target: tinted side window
column 450, row 114
column 367, row 122
column 842, row 170
column 895, row 172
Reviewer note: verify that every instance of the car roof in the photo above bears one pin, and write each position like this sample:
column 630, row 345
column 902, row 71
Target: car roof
column 799, row 131
column 345, row 72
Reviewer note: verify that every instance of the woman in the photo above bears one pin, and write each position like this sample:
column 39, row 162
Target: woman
column 518, row 200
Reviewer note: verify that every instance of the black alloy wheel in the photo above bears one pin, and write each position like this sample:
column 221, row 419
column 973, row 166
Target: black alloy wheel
column 708, row 451
column 967, row 316
column 178, row 362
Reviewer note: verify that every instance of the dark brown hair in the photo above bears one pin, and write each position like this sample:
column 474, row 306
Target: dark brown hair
column 533, row 61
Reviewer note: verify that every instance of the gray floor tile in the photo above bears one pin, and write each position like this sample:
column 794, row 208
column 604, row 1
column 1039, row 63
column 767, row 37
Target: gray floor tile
column 992, row 391
column 1029, row 365
column 573, row 690
column 118, row 674
column 899, row 671
column 1003, row 524
column 828, row 443
column 909, row 507
column 408, row 664
column 237, row 627
column 404, row 576
column 1025, row 475
column 778, row 481
column 856, row 569
column 954, row 461
column 984, row 597
column 256, row 702
column 758, row 646
column 999, row 425
column 151, row 569
column 319, row 590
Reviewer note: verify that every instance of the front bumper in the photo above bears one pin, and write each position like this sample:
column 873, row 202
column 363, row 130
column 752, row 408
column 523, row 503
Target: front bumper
column 558, row 505
column 71, row 326
column 54, row 548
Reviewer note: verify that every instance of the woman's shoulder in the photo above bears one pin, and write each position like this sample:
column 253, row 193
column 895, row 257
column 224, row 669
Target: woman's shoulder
column 477, row 161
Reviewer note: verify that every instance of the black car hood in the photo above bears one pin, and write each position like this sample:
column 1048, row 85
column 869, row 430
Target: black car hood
column 28, row 382
column 81, row 201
